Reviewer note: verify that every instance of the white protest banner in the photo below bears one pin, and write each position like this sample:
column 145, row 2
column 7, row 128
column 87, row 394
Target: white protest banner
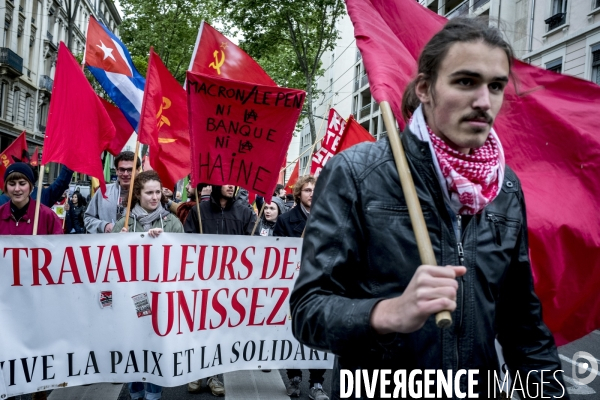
column 79, row 309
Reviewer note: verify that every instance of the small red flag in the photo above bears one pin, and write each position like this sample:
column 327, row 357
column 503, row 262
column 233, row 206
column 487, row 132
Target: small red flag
column 101, row 52
column 289, row 186
column 164, row 123
column 353, row 134
column 79, row 128
column 123, row 129
column 547, row 128
column 216, row 55
column 240, row 131
column 15, row 152
column 35, row 158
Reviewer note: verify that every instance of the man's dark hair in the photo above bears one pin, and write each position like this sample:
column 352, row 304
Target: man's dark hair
column 277, row 189
column 457, row 30
column 127, row 156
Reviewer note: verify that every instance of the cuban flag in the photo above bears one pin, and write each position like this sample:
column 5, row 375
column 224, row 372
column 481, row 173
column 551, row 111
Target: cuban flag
column 109, row 61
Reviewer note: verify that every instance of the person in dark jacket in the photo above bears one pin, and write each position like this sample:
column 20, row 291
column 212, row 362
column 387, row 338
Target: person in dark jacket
column 77, row 207
column 362, row 292
column 52, row 193
column 292, row 224
column 222, row 215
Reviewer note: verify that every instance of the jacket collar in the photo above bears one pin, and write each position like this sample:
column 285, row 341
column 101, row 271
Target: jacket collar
column 415, row 147
column 6, row 214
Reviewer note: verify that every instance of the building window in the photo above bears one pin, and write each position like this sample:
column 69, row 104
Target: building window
column 555, row 65
column 596, row 4
column 27, row 107
column 596, row 64
column 16, row 103
column 3, row 95
column 558, row 14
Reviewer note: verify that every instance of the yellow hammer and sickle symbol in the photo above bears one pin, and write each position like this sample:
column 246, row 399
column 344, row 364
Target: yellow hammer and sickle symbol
column 162, row 120
column 217, row 63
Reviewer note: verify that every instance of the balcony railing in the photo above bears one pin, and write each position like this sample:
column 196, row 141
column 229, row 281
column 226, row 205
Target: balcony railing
column 479, row 3
column 375, row 107
column 364, row 80
column 365, row 111
column 12, row 59
column 461, row 9
column 46, row 83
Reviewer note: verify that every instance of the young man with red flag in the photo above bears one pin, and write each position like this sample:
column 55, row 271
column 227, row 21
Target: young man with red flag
column 362, row 292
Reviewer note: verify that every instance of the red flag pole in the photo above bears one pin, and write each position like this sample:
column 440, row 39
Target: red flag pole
column 443, row 319
column 38, row 201
column 133, row 173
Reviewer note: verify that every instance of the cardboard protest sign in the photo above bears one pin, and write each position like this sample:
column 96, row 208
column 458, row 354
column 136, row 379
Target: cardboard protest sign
column 240, row 131
column 329, row 143
column 130, row 308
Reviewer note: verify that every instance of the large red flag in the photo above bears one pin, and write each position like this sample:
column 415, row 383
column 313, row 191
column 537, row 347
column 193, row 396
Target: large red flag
column 548, row 128
column 216, row 55
column 15, row 152
column 79, row 128
column 164, row 123
column 353, row 134
column 123, row 129
column 240, row 132
column 289, row 186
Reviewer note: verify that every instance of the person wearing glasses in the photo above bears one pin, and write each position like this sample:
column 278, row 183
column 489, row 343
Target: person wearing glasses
column 102, row 213
column 291, row 224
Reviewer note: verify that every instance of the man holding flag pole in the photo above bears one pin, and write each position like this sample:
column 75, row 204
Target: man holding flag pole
column 370, row 288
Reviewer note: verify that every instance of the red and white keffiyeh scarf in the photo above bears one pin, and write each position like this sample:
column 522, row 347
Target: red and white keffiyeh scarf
column 472, row 180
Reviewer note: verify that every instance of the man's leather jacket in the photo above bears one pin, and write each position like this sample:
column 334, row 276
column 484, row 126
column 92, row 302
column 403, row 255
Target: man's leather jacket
column 359, row 248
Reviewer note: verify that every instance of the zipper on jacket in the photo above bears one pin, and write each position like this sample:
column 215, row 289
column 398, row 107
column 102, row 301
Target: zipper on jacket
column 497, row 236
column 461, row 261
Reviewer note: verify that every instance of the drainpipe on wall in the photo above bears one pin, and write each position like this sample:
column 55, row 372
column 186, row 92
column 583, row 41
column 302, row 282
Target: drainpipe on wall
column 531, row 25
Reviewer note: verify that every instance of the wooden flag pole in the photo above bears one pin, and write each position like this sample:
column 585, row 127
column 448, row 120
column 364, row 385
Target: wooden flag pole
column 443, row 319
column 198, row 200
column 133, row 174
column 262, row 209
column 38, row 201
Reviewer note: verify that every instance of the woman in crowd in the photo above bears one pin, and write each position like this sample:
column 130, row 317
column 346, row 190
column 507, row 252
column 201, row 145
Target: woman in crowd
column 76, row 213
column 17, row 216
column 148, row 215
column 269, row 218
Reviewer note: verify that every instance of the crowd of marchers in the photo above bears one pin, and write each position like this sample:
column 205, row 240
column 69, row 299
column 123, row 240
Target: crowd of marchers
column 224, row 210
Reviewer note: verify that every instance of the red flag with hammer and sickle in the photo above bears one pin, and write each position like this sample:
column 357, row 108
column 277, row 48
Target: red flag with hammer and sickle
column 216, row 55
column 16, row 152
column 164, row 123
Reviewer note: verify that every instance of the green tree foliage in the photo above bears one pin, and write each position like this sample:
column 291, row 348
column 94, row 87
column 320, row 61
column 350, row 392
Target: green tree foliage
column 170, row 26
column 288, row 38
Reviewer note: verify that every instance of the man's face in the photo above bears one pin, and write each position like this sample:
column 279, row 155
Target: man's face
column 468, row 94
column 306, row 195
column 227, row 191
column 124, row 172
column 281, row 193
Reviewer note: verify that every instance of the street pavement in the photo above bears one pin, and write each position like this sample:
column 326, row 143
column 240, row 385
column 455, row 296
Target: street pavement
column 258, row 385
